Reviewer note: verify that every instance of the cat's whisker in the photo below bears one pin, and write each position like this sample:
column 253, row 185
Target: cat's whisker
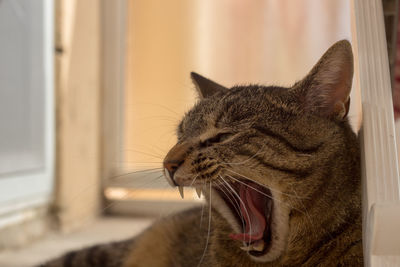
column 194, row 179
column 76, row 197
column 160, row 150
column 241, row 201
column 209, row 229
column 149, row 147
column 129, row 193
column 146, row 171
column 135, row 183
column 202, row 208
column 236, row 205
column 246, row 160
column 272, row 189
column 139, row 162
column 231, row 198
column 271, row 197
column 157, row 105
column 125, row 195
column 144, row 153
column 159, row 118
column 255, row 189
column 224, row 189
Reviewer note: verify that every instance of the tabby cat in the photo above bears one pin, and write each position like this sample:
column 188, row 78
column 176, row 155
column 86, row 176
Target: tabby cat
column 279, row 168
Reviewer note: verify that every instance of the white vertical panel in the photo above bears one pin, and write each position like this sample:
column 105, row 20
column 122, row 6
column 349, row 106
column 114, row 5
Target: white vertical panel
column 378, row 144
column 26, row 104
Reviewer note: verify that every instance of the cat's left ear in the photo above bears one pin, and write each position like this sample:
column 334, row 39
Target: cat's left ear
column 326, row 89
column 205, row 87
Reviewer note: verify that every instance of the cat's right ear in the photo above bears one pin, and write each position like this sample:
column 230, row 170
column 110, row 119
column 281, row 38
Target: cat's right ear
column 326, row 89
column 205, row 87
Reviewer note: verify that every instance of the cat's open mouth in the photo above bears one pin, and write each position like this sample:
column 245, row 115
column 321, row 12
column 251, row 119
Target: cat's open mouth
column 252, row 207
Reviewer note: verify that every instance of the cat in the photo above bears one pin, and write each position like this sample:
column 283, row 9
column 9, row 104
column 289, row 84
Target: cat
column 279, row 168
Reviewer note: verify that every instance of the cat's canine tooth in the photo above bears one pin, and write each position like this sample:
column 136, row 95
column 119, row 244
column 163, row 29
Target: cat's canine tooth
column 258, row 246
column 181, row 191
column 198, row 191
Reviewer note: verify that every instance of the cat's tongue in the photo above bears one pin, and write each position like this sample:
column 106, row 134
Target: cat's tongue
column 252, row 207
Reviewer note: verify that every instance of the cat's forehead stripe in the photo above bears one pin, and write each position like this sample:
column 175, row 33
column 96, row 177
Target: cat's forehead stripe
column 208, row 134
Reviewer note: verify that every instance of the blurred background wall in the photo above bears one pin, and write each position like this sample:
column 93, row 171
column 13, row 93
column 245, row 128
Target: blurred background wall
column 230, row 41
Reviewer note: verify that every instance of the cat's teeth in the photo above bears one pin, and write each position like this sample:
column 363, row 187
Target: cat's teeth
column 181, row 191
column 258, row 246
column 246, row 248
column 198, row 191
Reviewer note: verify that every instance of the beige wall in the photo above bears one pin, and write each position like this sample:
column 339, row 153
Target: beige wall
column 158, row 57
column 231, row 41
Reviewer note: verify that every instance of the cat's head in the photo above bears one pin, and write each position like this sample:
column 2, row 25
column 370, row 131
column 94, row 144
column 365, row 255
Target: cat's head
column 258, row 152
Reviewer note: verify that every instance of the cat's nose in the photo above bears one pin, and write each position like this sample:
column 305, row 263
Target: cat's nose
column 171, row 167
column 173, row 160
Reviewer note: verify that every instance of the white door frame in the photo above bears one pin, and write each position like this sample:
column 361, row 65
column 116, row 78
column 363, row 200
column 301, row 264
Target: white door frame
column 379, row 160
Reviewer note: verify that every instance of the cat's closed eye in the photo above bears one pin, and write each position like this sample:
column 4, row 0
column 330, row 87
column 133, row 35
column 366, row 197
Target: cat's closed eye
column 219, row 138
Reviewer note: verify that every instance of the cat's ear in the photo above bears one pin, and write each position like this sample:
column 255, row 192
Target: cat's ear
column 326, row 89
column 206, row 87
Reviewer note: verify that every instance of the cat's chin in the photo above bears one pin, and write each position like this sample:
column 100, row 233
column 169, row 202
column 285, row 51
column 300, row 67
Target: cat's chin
column 258, row 222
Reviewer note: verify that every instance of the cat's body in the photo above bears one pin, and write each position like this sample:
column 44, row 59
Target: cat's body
column 280, row 170
column 180, row 240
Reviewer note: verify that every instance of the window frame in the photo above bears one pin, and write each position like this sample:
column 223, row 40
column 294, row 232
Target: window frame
column 33, row 188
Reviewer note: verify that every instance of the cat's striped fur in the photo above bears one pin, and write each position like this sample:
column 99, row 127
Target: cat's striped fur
column 279, row 168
